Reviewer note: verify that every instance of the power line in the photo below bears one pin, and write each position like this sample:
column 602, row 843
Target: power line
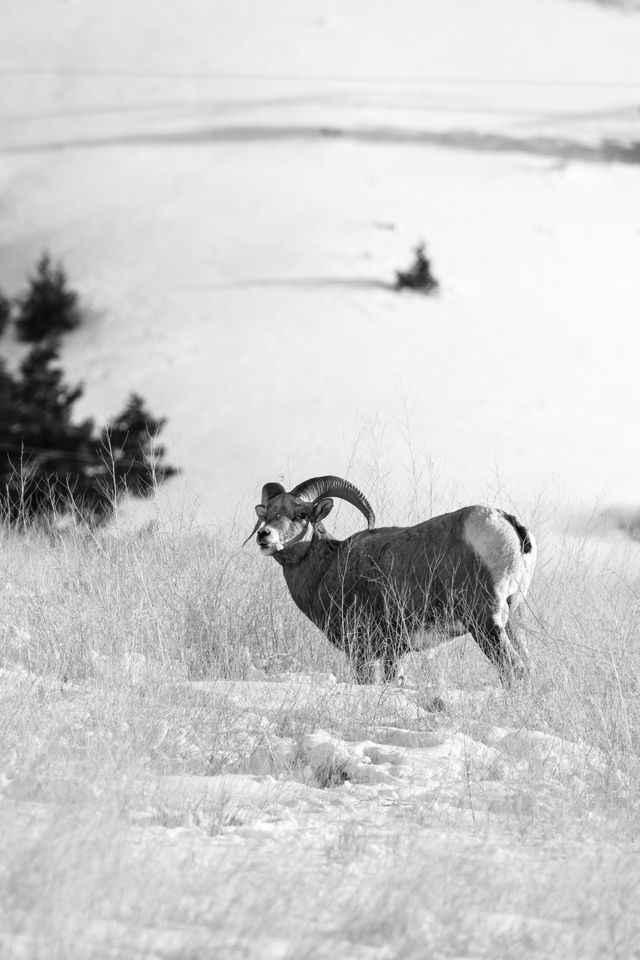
column 222, row 77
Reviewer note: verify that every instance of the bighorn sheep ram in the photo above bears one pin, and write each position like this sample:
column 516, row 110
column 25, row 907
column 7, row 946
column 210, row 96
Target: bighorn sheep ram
column 377, row 591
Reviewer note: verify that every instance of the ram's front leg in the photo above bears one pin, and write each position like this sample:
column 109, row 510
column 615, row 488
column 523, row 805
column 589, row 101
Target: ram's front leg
column 364, row 669
column 362, row 656
column 356, row 649
column 392, row 669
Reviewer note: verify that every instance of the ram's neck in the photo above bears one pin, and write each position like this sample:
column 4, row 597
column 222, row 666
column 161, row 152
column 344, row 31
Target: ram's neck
column 303, row 576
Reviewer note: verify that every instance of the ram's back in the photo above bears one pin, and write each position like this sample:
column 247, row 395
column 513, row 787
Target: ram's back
column 465, row 550
column 419, row 558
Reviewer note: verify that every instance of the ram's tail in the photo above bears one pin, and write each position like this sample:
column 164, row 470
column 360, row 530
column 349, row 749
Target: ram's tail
column 523, row 533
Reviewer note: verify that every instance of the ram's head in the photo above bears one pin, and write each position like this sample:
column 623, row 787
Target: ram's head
column 286, row 519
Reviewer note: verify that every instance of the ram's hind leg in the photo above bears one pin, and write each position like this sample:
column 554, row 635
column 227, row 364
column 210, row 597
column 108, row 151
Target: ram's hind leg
column 494, row 641
column 517, row 640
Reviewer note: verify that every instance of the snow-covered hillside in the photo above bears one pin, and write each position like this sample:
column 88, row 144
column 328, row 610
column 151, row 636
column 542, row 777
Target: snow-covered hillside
column 233, row 185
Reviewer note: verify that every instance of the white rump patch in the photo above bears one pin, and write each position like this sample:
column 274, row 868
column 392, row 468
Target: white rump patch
column 497, row 544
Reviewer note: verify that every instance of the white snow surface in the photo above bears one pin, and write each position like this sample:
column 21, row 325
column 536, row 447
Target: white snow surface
column 231, row 187
column 339, row 804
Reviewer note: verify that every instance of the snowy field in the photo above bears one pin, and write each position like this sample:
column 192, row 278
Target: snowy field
column 186, row 768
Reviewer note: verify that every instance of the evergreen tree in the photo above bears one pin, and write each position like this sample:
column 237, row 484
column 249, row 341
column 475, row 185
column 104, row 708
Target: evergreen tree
column 50, row 463
column 41, row 387
column 48, row 307
column 5, row 312
column 135, row 459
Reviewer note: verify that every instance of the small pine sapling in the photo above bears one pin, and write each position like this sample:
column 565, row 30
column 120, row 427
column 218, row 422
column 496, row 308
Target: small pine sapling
column 419, row 276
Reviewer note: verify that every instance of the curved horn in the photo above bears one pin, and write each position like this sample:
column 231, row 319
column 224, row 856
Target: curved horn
column 271, row 490
column 319, row 487
column 255, row 530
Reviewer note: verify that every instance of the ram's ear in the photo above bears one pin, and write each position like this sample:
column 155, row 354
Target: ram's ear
column 321, row 509
column 261, row 510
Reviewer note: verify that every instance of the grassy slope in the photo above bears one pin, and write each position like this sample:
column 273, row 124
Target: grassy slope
column 162, row 794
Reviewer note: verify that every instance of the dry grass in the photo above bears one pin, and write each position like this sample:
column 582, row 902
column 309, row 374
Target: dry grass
column 118, row 656
column 183, row 602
